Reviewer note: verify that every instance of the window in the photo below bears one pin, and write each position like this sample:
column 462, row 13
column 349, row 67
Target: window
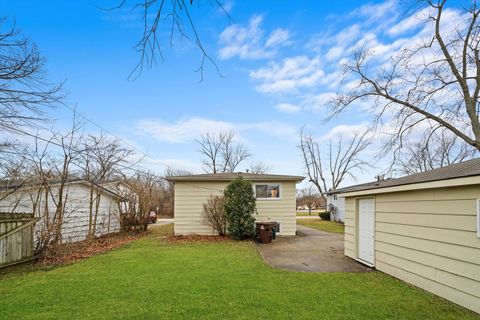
column 478, row 218
column 267, row 191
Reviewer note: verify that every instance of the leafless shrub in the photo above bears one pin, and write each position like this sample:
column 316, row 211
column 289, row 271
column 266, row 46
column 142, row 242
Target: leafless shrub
column 214, row 214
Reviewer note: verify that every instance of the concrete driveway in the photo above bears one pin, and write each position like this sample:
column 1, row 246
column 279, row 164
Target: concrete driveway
column 310, row 251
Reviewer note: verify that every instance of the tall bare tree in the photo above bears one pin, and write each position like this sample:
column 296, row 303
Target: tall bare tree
column 221, row 153
column 432, row 84
column 434, row 151
column 24, row 89
column 327, row 168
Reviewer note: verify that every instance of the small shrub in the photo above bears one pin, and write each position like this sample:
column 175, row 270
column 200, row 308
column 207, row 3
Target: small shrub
column 239, row 208
column 214, row 214
column 324, row 215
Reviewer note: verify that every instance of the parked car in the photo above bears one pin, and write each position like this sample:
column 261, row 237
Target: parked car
column 152, row 217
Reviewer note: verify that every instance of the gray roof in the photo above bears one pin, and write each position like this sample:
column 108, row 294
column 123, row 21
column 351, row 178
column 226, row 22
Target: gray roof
column 234, row 175
column 458, row 170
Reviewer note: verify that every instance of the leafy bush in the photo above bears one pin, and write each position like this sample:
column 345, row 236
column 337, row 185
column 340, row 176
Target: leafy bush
column 324, row 215
column 214, row 214
column 239, row 208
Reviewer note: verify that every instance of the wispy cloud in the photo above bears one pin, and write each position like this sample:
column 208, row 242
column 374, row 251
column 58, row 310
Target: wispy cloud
column 288, row 75
column 288, row 108
column 250, row 42
column 189, row 129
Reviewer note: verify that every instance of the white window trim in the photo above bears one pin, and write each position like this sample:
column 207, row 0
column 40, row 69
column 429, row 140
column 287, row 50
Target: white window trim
column 478, row 218
column 267, row 199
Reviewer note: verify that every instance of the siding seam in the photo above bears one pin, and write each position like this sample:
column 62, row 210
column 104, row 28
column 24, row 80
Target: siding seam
column 408, row 271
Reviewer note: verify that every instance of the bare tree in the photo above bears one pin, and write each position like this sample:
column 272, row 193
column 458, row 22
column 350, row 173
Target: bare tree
column 163, row 21
column 327, row 169
column 259, row 167
column 435, row 82
column 434, row 151
column 221, row 153
column 140, row 198
column 310, row 198
column 103, row 158
column 24, row 90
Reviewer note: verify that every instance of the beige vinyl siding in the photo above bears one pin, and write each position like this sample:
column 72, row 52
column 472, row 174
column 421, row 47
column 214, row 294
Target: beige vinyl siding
column 428, row 238
column 190, row 196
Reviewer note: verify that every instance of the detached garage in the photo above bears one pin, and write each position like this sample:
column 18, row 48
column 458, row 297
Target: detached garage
column 275, row 199
column 423, row 229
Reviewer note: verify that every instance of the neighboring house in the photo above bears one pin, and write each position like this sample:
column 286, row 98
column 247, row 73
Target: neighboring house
column 338, row 203
column 38, row 199
column 423, row 229
column 275, row 194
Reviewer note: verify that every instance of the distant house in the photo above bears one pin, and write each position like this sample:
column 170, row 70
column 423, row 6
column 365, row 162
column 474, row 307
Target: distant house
column 336, row 202
column 38, row 199
column 275, row 199
column 423, row 229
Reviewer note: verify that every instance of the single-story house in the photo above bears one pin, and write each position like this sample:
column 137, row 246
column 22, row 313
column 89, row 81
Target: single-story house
column 275, row 199
column 423, row 229
column 39, row 200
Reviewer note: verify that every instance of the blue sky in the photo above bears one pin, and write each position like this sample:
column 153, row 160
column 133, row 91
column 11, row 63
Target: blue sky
column 279, row 60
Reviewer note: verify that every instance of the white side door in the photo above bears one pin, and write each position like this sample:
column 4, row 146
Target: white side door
column 366, row 224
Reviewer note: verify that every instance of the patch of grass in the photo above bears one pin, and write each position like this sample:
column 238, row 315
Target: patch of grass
column 154, row 279
column 305, row 214
column 161, row 230
column 322, row 225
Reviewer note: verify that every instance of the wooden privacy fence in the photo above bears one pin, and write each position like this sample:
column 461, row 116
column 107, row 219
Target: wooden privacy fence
column 16, row 238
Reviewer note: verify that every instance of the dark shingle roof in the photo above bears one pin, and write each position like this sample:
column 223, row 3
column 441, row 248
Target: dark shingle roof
column 235, row 175
column 458, row 170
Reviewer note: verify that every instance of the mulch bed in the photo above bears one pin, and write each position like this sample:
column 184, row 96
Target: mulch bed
column 197, row 238
column 71, row 252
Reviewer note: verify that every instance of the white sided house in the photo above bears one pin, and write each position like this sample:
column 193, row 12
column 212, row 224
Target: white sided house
column 42, row 201
column 336, row 202
column 423, row 229
column 275, row 199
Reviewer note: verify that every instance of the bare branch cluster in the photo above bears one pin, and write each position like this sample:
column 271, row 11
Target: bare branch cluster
column 430, row 85
column 162, row 22
column 436, row 150
column 328, row 167
column 24, row 90
column 222, row 153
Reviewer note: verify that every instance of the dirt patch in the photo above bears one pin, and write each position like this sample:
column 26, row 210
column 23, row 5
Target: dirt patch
column 71, row 252
column 197, row 238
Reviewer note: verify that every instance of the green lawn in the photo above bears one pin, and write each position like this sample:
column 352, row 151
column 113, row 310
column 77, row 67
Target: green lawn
column 322, row 225
column 305, row 214
column 155, row 279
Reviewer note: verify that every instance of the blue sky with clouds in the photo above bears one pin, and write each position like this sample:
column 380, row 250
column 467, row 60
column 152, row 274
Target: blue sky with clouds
column 279, row 62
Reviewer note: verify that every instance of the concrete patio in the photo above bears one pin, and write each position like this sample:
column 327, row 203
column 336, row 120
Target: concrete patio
column 310, row 251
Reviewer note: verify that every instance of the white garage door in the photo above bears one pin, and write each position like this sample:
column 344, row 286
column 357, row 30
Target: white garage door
column 366, row 225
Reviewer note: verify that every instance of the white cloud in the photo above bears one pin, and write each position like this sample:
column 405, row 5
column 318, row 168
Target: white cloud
column 183, row 130
column 318, row 102
column 346, row 131
column 409, row 23
column 287, row 108
column 190, row 129
column 249, row 42
column 278, row 37
column 288, row 75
